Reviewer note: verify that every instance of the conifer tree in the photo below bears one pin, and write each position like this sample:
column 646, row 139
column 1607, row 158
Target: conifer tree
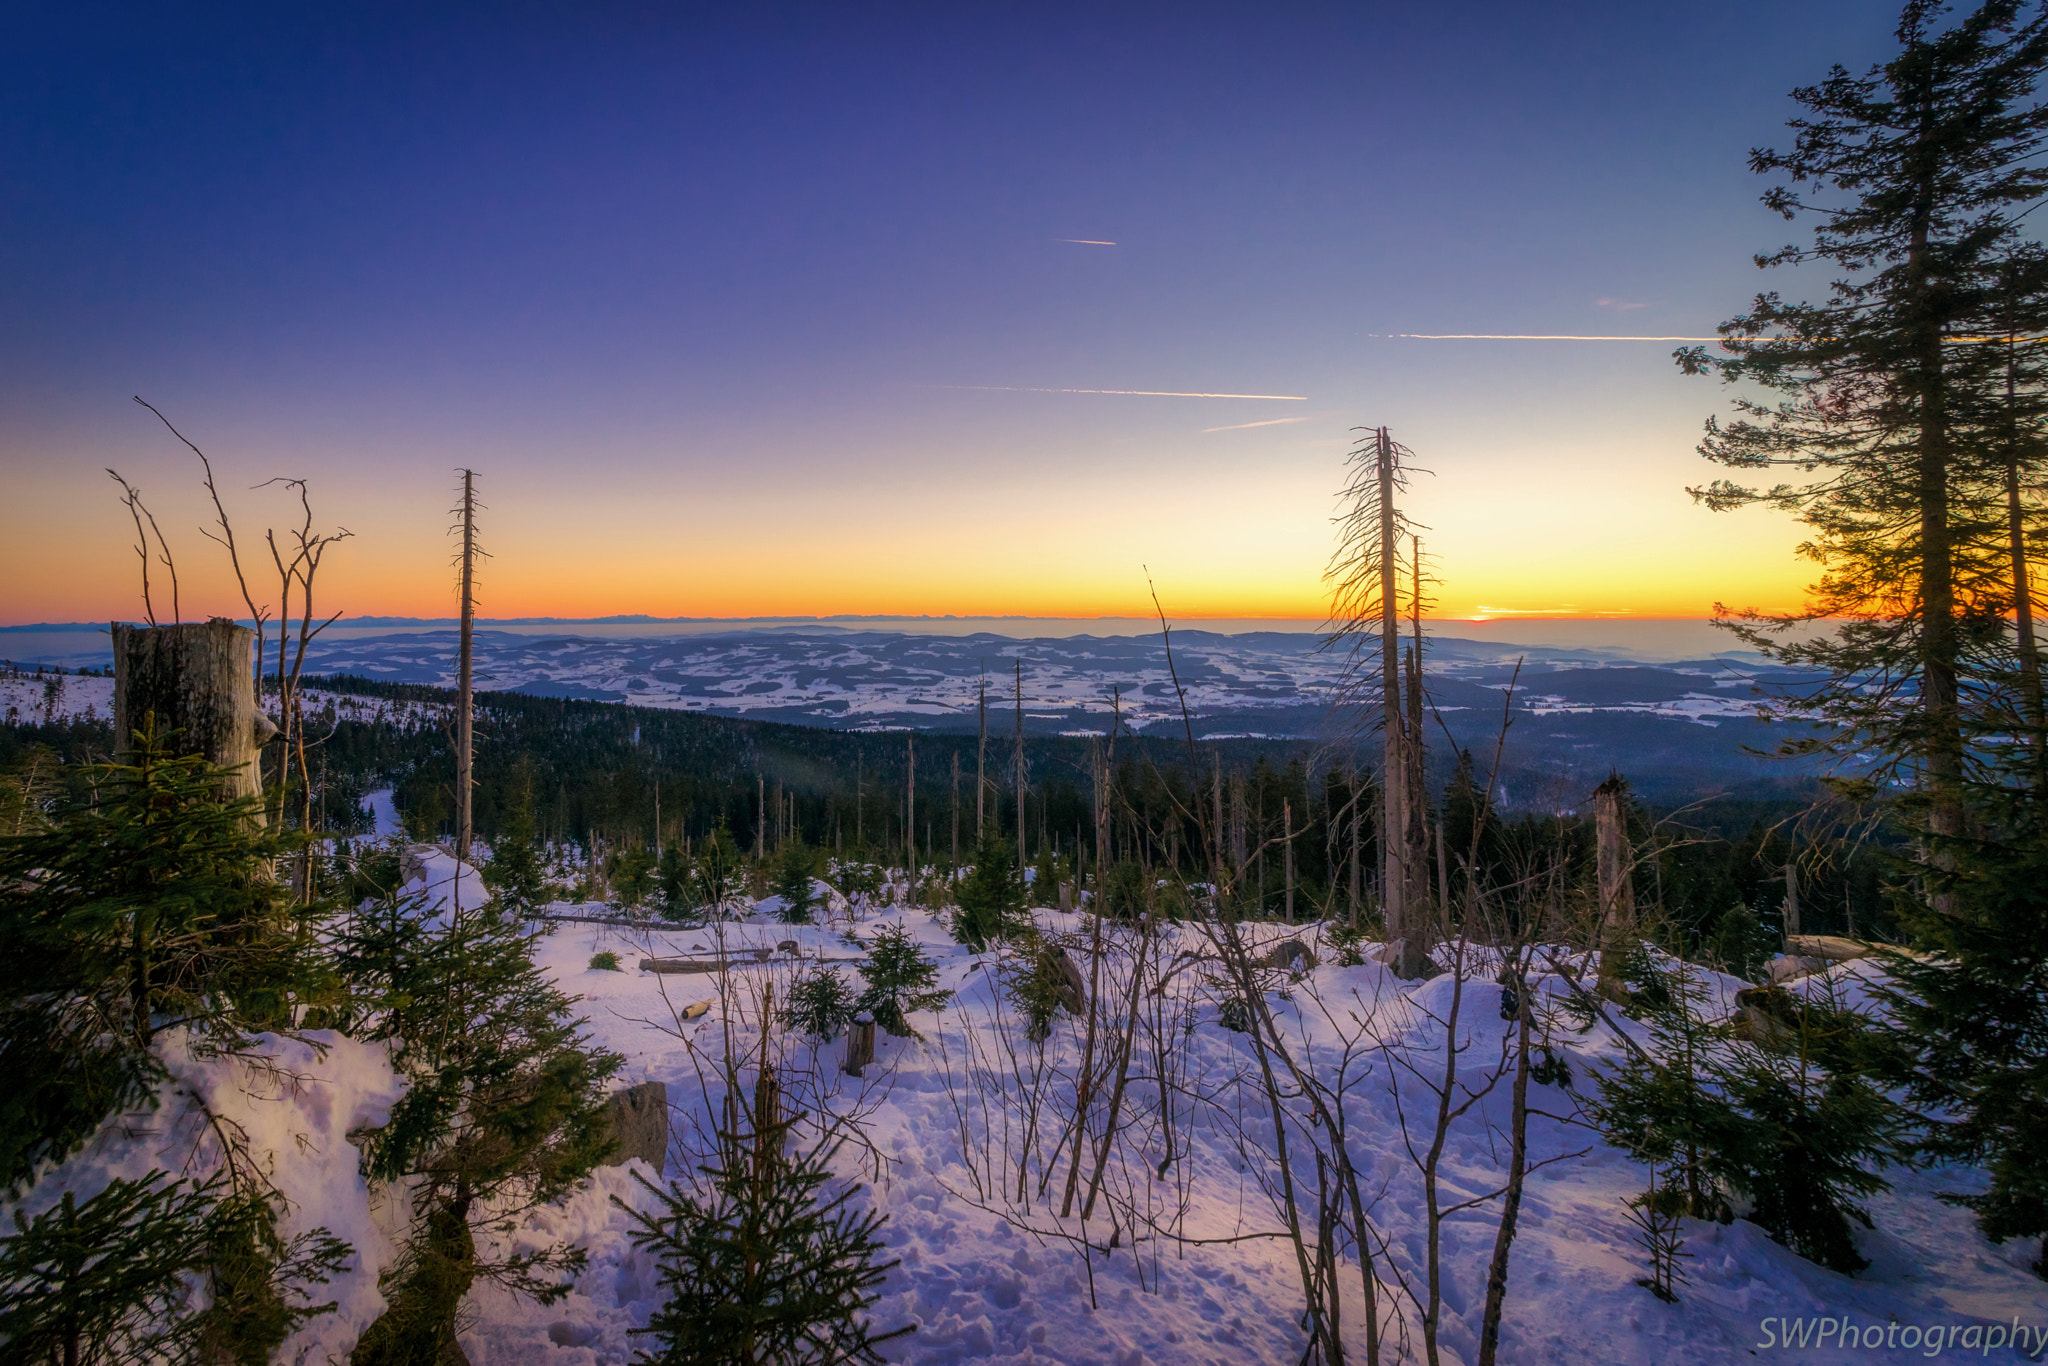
column 515, row 874
column 148, row 908
column 766, row 1264
column 1882, row 395
column 900, row 979
column 796, row 865
column 991, row 897
column 503, row 1110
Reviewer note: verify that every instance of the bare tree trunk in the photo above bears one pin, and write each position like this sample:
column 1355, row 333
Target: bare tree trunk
column 193, row 687
column 981, row 769
column 910, row 803
column 1791, row 897
column 464, row 736
column 1021, row 860
column 1393, row 725
column 956, row 808
column 1617, row 890
column 1287, row 853
column 1518, row 1170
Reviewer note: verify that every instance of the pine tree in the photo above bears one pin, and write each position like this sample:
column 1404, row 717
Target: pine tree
column 795, row 868
column 1886, row 393
column 990, row 897
column 1971, row 1036
column 1772, row 1121
column 764, row 1265
column 515, row 874
column 148, row 908
column 900, row 979
column 503, row 1110
column 819, row 1004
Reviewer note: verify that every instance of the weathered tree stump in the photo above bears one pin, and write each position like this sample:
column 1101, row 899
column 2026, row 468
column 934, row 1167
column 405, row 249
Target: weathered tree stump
column 1073, row 988
column 860, row 1043
column 1617, row 886
column 196, row 683
column 638, row 1118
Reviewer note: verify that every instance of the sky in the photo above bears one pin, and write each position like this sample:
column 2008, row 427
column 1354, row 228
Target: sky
column 783, row 310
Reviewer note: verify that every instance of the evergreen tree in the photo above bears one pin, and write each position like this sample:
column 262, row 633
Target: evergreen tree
column 503, row 1110
column 1971, row 1036
column 990, row 897
column 1762, row 1118
column 900, row 979
column 719, row 875
column 515, row 874
column 106, row 1280
column 765, row 1267
column 632, row 876
column 148, row 908
column 820, row 1004
column 1883, row 392
column 795, row 868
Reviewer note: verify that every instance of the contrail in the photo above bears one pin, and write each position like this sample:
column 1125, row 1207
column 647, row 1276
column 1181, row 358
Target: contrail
column 1240, row 426
column 1084, row 241
column 1559, row 336
column 1136, row 393
column 1508, row 336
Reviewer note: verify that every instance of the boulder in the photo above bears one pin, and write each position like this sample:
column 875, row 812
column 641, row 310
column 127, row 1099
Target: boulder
column 638, row 1118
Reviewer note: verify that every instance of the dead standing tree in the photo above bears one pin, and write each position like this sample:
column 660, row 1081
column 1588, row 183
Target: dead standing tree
column 298, row 571
column 1365, row 624
column 465, row 781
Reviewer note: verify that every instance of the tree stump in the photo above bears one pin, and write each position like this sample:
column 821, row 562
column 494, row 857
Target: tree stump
column 1073, row 988
column 638, row 1118
column 198, row 684
column 1617, row 888
column 860, row 1043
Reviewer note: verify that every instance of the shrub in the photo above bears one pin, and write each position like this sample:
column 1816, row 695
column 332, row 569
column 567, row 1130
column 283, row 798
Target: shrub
column 605, row 962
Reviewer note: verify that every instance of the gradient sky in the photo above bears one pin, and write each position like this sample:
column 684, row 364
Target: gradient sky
column 686, row 285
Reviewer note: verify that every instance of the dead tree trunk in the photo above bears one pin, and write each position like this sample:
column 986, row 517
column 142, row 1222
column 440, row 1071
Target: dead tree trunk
column 1397, row 879
column 1791, row 898
column 1021, row 860
column 1617, row 890
column 193, row 687
column 463, row 719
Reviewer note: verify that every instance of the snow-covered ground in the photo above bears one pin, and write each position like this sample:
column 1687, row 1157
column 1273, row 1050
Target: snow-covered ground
column 985, row 1276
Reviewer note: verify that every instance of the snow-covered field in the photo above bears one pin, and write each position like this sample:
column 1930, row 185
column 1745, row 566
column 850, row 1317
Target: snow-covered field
column 1184, row 1267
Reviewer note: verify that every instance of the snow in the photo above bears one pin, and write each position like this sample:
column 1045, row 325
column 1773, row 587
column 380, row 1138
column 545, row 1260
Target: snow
column 985, row 1280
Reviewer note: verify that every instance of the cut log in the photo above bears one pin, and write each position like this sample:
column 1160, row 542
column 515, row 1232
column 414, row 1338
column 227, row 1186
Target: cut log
column 1831, row 947
column 196, row 685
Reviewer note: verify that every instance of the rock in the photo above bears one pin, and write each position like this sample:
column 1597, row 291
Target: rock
column 638, row 1118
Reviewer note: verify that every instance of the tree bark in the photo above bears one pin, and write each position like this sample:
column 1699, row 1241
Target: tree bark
column 193, row 685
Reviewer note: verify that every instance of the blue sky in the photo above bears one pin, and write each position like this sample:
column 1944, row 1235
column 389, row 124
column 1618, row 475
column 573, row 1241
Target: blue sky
column 685, row 284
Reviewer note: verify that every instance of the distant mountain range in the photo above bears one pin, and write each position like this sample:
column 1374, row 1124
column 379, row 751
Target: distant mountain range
column 1683, row 727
